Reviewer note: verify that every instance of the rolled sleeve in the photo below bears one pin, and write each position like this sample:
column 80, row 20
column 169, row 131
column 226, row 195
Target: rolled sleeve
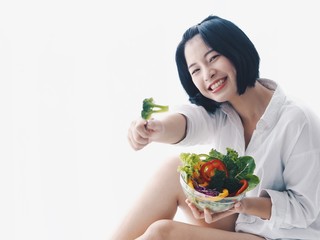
column 281, row 214
column 299, row 205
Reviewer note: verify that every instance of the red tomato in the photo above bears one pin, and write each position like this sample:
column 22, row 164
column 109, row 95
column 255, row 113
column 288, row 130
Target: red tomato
column 208, row 169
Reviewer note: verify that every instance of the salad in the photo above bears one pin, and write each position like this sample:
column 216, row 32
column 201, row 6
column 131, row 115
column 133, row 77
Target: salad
column 219, row 175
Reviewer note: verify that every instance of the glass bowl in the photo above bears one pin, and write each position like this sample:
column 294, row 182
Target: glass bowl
column 202, row 200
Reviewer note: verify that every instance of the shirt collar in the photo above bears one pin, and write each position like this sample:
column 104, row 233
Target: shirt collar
column 270, row 116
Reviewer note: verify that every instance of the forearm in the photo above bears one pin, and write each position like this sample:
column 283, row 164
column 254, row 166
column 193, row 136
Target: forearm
column 174, row 129
column 257, row 206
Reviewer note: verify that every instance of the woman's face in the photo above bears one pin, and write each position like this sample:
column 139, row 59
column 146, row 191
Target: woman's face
column 212, row 73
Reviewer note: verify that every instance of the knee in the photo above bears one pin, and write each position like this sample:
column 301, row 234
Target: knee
column 160, row 230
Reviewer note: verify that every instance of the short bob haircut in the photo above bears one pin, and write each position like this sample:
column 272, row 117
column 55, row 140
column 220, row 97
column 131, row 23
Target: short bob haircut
column 227, row 39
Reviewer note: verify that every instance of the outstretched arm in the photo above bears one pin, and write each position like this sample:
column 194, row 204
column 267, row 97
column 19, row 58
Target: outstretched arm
column 170, row 129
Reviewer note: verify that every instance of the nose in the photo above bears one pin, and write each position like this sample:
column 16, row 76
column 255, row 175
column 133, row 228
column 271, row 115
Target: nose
column 209, row 74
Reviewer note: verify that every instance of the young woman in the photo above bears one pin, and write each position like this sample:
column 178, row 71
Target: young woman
column 231, row 107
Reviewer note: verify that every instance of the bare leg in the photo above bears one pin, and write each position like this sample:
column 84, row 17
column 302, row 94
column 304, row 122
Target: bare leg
column 172, row 230
column 166, row 196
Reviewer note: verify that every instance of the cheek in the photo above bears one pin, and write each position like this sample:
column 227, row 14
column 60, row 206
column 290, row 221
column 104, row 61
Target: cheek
column 232, row 70
column 202, row 89
column 198, row 84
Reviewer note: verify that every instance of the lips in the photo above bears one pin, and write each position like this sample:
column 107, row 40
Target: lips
column 217, row 85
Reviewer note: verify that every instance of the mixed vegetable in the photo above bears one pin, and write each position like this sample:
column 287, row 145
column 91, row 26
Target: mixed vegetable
column 219, row 175
column 149, row 107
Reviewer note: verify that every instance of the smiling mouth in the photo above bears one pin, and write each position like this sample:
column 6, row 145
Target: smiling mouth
column 215, row 86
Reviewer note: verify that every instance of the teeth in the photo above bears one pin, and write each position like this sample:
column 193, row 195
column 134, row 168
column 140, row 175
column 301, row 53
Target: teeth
column 217, row 84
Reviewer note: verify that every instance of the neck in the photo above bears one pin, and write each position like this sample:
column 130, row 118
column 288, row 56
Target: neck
column 252, row 104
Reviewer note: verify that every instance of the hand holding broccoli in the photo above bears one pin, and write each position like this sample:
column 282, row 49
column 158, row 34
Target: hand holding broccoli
column 142, row 131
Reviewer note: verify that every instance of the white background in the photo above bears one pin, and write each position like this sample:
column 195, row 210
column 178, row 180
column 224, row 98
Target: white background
column 72, row 77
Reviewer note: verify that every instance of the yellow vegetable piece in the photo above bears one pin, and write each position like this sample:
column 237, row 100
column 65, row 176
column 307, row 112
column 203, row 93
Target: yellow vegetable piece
column 222, row 195
column 190, row 184
column 204, row 184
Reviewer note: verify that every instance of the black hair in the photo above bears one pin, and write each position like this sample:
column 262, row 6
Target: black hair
column 227, row 39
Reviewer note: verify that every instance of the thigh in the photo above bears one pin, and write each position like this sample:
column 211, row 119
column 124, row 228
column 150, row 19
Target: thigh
column 171, row 230
column 159, row 200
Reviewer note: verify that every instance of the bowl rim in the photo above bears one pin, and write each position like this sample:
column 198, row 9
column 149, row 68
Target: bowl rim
column 208, row 197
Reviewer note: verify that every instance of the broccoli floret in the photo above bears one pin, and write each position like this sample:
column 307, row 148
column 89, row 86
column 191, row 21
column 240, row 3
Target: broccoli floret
column 232, row 184
column 217, row 181
column 149, row 107
column 220, row 181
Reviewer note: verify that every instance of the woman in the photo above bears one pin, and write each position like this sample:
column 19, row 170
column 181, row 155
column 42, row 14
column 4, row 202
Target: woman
column 232, row 107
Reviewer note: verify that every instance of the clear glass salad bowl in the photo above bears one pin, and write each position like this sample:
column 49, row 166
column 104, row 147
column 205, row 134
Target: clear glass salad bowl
column 202, row 200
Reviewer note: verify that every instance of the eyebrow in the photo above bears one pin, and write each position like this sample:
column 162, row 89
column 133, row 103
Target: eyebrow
column 206, row 54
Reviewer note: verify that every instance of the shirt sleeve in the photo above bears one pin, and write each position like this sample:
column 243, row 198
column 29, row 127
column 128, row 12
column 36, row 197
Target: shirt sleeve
column 199, row 124
column 299, row 205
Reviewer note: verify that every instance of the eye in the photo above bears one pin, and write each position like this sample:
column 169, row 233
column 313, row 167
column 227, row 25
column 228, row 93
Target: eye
column 212, row 58
column 194, row 71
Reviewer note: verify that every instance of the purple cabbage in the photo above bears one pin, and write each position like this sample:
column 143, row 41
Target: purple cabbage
column 204, row 190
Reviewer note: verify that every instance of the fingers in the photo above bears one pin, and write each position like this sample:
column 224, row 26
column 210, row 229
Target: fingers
column 138, row 134
column 195, row 211
column 142, row 132
column 239, row 207
column 153, row 125
column 208, row 215
column 211, row 217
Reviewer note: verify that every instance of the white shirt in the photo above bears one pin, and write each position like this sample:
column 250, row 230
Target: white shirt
column 286, row 149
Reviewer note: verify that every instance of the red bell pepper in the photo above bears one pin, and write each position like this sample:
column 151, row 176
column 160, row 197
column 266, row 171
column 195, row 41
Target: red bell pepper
column 208, row 169
column 244, row 186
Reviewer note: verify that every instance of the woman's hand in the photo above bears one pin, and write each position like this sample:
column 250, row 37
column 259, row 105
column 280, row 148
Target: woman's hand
column 208, row 215
column 170, row 129
column 257, row 206
column 142, row 132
